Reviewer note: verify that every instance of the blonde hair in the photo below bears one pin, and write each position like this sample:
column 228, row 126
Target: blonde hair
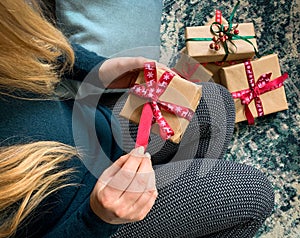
column 31, row 52
column 30, row 49
column 28, row 174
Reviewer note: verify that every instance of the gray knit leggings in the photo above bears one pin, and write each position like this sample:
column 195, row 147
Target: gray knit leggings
column 201, row 195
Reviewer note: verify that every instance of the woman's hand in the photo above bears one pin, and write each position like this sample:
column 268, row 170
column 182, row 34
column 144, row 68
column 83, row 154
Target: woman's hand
column 121, row 72
column 126, row 191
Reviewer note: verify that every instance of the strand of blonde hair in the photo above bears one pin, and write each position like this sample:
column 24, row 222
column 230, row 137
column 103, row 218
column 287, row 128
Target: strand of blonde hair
column 32, row 49
column 32, row 52
column 28, row 174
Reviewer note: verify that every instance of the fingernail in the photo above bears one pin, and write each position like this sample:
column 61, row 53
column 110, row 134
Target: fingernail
column 139, row 151
column 148, row 155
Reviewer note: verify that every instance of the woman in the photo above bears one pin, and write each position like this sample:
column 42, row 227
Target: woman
column 47, row 188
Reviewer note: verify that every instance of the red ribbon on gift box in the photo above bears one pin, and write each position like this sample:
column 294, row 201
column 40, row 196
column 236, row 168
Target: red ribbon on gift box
column 262, row 86
column 225, row 34
column 187, row 74
column 151, row 112
column 218, row 17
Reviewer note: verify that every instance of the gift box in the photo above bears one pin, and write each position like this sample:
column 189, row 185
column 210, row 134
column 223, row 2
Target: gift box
column 221, row 40
column 256, row 86
column 214, row 68
column 211, row 69
column 173, row 101
column 199, row 38
column 191, row 70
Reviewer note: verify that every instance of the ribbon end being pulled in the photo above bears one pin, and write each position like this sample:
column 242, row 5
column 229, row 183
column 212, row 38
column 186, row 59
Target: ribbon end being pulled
column 144, row 127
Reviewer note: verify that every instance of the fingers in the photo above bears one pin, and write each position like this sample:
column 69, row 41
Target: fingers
column 139, row 197
column 144, row 179
column 122, row 72
column 126, row 191
column 111, row 171
column 139, row 209
column 144, row 204
column 119, row 177
column 112, row 68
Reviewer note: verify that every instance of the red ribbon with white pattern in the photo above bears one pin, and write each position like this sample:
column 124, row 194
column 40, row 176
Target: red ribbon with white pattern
column 262, row 86
column 218, row 17
column 151, row 112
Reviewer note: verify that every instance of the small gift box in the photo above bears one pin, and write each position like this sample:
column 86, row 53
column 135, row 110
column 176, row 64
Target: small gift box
column 162, row 101
column 191, row 70
column 221, row 40
column 214, row 68
column 256, row 86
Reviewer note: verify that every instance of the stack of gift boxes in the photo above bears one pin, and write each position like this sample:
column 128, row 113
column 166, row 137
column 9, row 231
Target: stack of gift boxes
column 228, row 50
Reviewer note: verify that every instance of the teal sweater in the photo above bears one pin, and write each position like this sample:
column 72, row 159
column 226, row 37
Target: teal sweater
column 66, row 213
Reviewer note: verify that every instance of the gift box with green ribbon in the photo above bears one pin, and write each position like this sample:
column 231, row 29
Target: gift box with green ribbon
column 221, row 41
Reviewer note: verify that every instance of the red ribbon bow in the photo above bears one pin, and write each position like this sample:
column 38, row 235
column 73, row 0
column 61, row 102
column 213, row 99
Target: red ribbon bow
column 151, row 112
column 262, row 86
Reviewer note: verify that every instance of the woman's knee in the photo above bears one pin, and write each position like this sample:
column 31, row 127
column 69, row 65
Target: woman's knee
column 215, row 114
column 242, row 188
column 259, row 195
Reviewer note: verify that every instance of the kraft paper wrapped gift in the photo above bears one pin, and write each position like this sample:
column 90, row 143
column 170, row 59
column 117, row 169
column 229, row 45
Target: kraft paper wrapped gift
column 199, row 38
column 179, row 92
column 191, row 70
column 235, row 79
column 214, row 68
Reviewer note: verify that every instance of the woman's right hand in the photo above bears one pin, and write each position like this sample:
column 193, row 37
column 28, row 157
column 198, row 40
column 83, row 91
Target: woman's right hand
column 126, row 191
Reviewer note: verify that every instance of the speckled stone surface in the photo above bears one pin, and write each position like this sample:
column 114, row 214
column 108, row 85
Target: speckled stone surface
column 272, row 145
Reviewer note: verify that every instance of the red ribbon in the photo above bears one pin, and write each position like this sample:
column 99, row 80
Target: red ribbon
column 187, row 74
column 221, row 63
column 218, row 17
column 262, row 86
column 151, row 112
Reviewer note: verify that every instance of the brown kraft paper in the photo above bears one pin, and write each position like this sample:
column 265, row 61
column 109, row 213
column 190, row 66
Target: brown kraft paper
column 190, row 69
column 180, row 92
column 214, row 68
column 201, row 51
column 234, row 78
